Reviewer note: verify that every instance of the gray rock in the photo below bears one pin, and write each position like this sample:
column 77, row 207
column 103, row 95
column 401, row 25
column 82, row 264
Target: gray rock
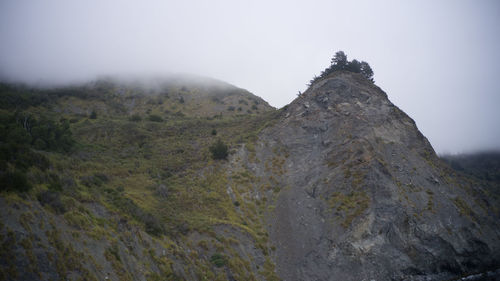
column 358, row 205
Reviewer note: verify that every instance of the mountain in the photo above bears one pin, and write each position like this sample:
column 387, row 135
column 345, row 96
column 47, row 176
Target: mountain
column 364, row 196
column 117, row 179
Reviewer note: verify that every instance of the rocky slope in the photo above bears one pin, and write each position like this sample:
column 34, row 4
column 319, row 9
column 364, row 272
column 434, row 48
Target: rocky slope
column 364, row 196
column 338, row 185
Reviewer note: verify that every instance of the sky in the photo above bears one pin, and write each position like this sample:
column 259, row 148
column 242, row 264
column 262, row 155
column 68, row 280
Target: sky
column 437, row 60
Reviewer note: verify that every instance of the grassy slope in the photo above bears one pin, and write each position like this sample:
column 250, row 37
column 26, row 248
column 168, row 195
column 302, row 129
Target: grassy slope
column 157, row 176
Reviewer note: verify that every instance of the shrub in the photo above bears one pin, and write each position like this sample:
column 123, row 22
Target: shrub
column 218, row 260
column 155, row 118
column 14, row 181
column 135, row 118
column 23, row 130
column 214, row 132
column 97, row 179
column 93, row 115
column 152, row 225
column 52, row 199
column 219, row 150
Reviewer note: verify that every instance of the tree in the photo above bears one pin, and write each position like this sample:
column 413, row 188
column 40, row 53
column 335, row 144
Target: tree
column 340, row 60
column 353, row 66
column 219, row 150
column 367, row 71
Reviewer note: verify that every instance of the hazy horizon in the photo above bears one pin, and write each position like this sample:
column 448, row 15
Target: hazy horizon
column 437, row 61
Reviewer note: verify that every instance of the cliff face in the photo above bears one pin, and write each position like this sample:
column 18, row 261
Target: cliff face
column 364, row 196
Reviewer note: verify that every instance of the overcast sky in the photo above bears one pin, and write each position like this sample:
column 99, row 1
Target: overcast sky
column 439, row 61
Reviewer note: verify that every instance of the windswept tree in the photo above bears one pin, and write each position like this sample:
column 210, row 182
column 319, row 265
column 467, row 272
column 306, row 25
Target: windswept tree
column 367, row 71
column 353, row 66
column 339, row 62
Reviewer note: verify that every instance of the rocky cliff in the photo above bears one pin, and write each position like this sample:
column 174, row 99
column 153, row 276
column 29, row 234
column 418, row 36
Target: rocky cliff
column 364, row 196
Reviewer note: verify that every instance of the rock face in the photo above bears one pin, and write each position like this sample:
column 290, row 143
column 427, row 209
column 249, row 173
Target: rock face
column 363, row 195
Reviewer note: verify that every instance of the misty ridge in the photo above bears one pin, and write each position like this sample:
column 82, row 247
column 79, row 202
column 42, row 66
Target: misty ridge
column 161, row 84
column 146, row 83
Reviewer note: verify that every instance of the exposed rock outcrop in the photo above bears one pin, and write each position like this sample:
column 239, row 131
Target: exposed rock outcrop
column 364, row 196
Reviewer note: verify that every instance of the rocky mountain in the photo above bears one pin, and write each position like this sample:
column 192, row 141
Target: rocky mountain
column 338, row 185
column 365, row 197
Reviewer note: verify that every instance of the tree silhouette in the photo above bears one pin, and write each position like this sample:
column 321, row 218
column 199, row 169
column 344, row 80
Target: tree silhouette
column 367, row 71
column 339, row 62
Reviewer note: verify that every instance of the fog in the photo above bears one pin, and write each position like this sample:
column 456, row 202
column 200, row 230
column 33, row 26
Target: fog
column 437, row 60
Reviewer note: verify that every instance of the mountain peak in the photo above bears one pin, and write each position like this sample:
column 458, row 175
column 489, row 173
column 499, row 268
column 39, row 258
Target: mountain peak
column 364, row 189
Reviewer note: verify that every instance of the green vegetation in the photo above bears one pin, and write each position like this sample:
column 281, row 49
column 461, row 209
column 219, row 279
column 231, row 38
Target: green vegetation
column 218, row 260
column 14, row 181
column 22, row 137
column 93, row 115
column 147, row 159
column 155, row 118
column 463, row 207
column 340, row 63
column 135, row 118
column 350, row 205
column 219, row 150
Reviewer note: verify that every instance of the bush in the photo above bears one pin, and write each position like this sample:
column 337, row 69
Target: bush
column 52, row 199
column 43, row 133
column 152, row 225
column 218, row 260
column 93, row 115
column 135, row 118
column 14, row 181
column 219, row 150
column 97, row 179
column 155, row 118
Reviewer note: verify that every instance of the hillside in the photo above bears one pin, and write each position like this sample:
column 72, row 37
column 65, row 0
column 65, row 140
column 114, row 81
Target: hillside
column 116, row 179
column 136, row 196
column 481, row 165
